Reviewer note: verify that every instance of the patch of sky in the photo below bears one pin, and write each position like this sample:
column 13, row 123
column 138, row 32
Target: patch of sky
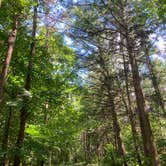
column 1, row 27
column 68, row 40
column 160, row 43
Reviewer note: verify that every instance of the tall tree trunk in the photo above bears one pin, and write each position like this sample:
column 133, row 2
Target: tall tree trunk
column 130, row 113
column 24, row 110
column 5, row 68
column 128, row 104
column 119, row 145
column 5, row 161
column 116, row 128
column 158, row 97
column 150, row 149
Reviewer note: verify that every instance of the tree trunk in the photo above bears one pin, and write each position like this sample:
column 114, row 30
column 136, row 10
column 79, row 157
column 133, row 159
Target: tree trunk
column 24, row 110
column 23, row 117
column 5, row 68
column 50, row 158
column 150, row 149
column 158, row 97
column 130, row 113
column 5, row 161
column 128, row 104
column 42, row 163
column 116, row 128
column 47, row 24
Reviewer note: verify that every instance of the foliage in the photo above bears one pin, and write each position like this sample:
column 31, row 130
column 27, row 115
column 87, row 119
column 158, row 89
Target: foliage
column 82, row 102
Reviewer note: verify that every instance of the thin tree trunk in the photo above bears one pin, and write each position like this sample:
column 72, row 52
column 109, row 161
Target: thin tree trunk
column 47, row 24
column 24, row 110
column 50, row 158
column 47, row 48
column 45, row 122
column 150, row 149
column 5, row 68
column 5, row 161
column 23, row 117
column 88, row 147
column 158, row 97
column 116, row 127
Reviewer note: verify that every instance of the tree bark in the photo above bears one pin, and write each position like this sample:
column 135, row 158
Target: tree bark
column 23, row 117
column 116, row 128
column 24, row 110
column 130, row 113
column 5, row 68
column 150, row 149
column 128, row 104
column 5, row 161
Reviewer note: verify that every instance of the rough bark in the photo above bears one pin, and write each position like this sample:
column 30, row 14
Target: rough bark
column 5, row 68
column 24, row 110
column 150, row 149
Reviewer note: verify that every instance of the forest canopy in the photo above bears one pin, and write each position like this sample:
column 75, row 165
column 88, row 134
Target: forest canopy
column 82, row 83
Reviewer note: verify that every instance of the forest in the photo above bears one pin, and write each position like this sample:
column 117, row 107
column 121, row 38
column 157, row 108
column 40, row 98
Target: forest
column 82, row 83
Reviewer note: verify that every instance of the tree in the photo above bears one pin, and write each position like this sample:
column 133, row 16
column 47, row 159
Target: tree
column 117, row 18
column 16, row 11
column 24, row 109
column 85, row 84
